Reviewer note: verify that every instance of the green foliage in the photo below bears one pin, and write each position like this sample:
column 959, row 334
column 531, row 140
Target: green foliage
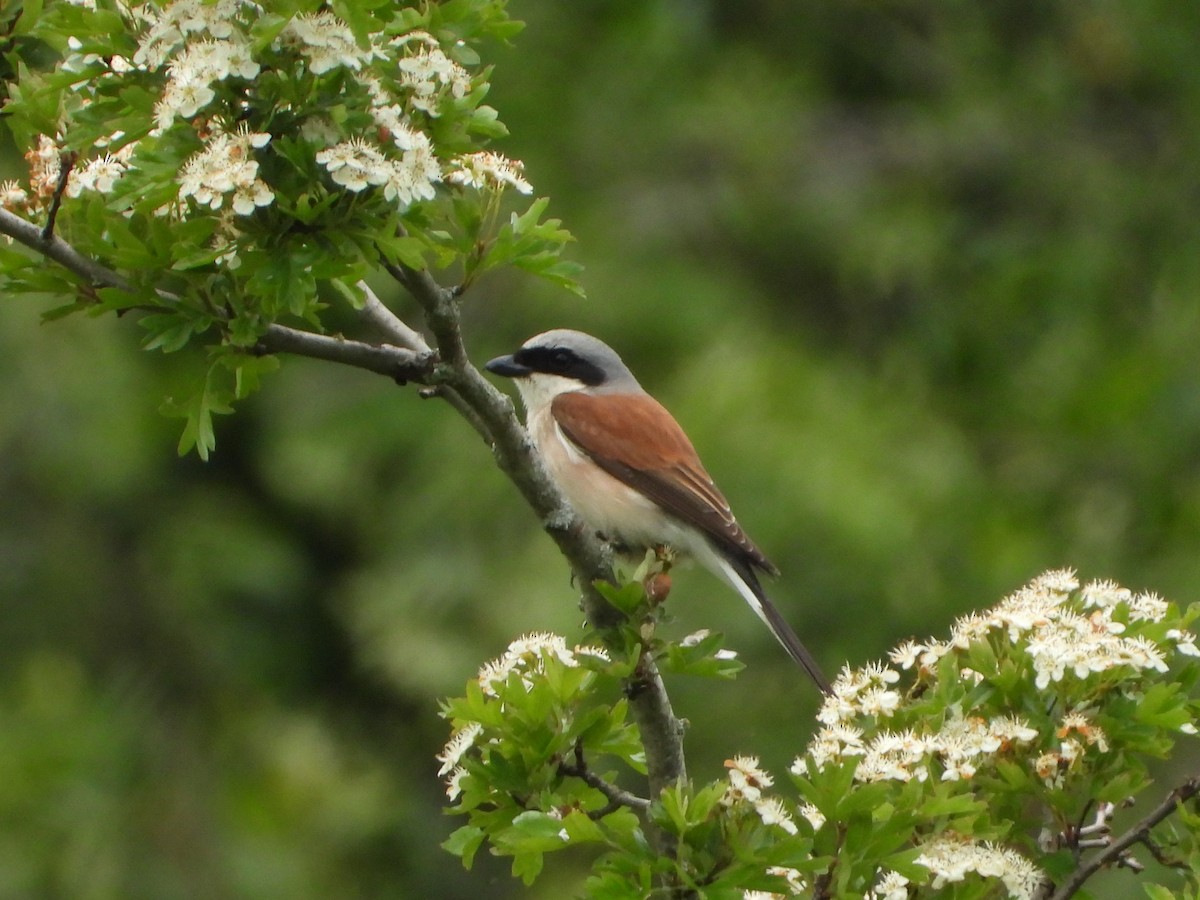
column 940, row 257
column 238, row 164
column 983, row 764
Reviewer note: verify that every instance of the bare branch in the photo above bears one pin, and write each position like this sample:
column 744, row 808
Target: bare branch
column 399, row 364
column 393, row 327
column 58, row 250
column 617, row 797
column 66, row 164
column 1138, row 834
column 402, row 364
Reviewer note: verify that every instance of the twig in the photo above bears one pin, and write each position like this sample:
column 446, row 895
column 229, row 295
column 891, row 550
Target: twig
column 66, row 164
column 393, row 327
column 56, row 249
column 617, row 797
column 397, row 363
column 1138, row 834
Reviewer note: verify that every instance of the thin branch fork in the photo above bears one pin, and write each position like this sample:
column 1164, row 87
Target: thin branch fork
column 617, row 797
column 1118, row 850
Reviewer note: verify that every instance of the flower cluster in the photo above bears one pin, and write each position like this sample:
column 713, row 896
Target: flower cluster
column 208, row 64
column 527, row 656
column 955, row 751
column 951, row 858
column 450, row 757
column 226, row 165
column 193, row 72
column 1049, row 620
column 357, row 164
column 1053, row 625
column 325, row 42
column 166, row 29
column 429, row 74
column 525, row 659
column 1076, row 734
column 489, row 170
column 746, row 784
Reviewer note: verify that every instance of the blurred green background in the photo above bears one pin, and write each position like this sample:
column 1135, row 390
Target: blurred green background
column 922, row 280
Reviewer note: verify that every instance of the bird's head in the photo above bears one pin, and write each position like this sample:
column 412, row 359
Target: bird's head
column 558, row 361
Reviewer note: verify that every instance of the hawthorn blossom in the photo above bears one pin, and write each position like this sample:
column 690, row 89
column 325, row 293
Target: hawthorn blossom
column 357, row 164
column 428, row 71
column 168, row 29
column 225, row 166
column 489, row 170
column 528, row 654
column 192, row 74
column 45, row 166
column 891, row 886
column 460, row 742
column 12, row 195
column 99, row 175
column 950, row 859
column 772, row 812
column 746, row 779
column 325, row 41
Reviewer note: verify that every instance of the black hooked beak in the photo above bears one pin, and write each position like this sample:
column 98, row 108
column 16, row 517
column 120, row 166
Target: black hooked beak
column 508, row 367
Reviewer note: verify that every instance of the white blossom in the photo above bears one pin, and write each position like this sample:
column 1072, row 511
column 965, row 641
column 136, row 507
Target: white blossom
column 1185, row 642
column 226, row 165
column 460, row 742
column 12, row 195
column 454, row 783
column 950, row 859
column 772, row 812
column 169, row 28
column 527, row 655
column 99, row 175
column 891, row 886
column 489, row 170
column 325, row 41
column 746, row 779
column 427, row 72
column 355, row 164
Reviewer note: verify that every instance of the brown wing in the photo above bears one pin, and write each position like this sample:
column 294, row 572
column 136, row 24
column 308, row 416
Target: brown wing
column 633, row 438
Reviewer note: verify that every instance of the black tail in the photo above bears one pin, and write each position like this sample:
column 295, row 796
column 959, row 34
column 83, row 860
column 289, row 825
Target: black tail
column 769, row 613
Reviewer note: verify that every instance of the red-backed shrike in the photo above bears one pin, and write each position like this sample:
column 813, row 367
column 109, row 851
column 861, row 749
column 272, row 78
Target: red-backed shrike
column 629, row 471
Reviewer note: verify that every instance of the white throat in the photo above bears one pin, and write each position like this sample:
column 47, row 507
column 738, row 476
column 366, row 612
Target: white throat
column 538, row 389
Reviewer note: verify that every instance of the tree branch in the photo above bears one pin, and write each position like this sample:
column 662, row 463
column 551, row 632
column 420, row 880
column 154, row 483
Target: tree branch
column 491, row 413
column 399, row 364
column 55, row 248
column 1138, row 834
column 661, row 731
column 617, row 797
column 376, row 312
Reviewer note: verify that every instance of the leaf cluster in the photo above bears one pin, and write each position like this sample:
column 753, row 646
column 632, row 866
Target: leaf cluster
column 211, row 252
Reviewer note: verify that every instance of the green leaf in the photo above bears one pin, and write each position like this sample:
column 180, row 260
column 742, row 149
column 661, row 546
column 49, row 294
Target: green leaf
column 265, row 29
column 198, row 409
column 170, row 332
column 465, row 843
column 31, row 11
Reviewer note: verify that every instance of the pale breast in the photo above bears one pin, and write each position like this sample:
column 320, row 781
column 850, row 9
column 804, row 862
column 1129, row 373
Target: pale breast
column 606, row 504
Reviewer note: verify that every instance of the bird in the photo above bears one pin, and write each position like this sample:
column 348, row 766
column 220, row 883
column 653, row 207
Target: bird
column 630, row 472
